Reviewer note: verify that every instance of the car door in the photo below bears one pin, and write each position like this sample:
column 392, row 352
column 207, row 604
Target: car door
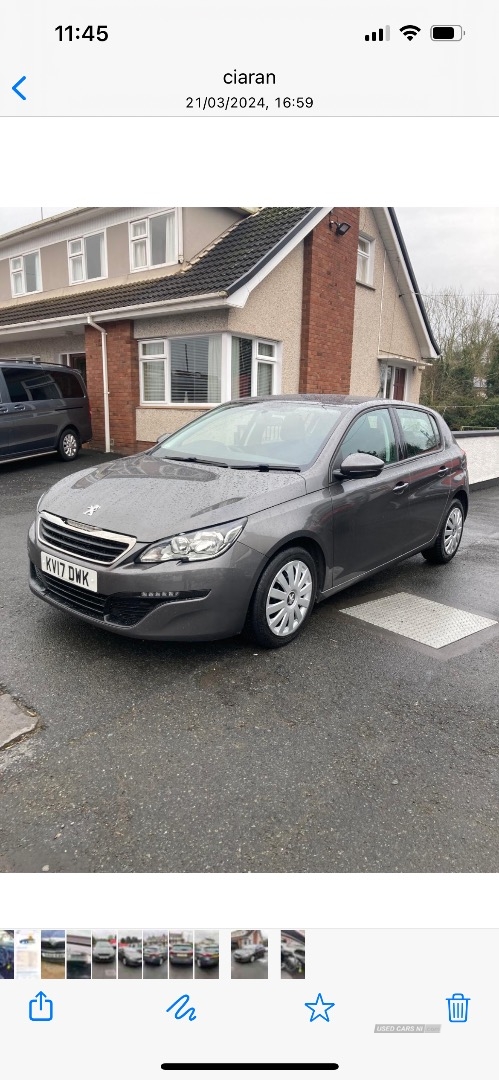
column 32, row 408
column 428, row 472
column 369, row 526
column 5, row 420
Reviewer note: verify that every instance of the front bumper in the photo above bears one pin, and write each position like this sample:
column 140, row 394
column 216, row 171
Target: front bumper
column 212, row 602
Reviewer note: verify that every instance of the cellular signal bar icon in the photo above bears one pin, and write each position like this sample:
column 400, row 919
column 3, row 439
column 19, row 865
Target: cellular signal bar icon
column 379, row 35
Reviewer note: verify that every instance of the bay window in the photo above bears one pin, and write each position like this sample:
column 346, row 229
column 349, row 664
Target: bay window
column 206, row 369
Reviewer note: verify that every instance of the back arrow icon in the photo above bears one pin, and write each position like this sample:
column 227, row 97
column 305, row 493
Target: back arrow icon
column 17, row 85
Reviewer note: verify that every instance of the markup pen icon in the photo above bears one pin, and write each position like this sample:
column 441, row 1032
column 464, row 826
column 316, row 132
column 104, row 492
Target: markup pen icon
column 458, row 1008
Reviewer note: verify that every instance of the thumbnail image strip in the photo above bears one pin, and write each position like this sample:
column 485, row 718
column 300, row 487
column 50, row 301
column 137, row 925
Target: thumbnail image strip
column 27, row 954
column 181, row 954
column 130, row 954
column 6, row 954
column 292, row 954
column 206, row 954
column 249, row 950
column 53, row 954
column 78, row 954
column 155, row 954
column 104, row 954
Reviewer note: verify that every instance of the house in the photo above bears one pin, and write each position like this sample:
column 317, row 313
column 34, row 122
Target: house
column 170, row 311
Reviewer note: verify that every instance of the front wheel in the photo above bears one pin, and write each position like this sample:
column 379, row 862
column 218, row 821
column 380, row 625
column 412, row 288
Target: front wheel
column 449, row 537
column 283, row 599
column 68, row 446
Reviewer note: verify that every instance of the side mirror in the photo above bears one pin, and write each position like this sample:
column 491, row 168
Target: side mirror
column 356, row 466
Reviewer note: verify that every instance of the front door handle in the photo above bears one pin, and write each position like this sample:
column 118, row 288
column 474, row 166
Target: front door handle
column 401, row 486
column 4, row 410
column 19, row 408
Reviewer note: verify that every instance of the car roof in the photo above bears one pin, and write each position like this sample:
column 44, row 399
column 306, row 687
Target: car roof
column 36, row 365
column 353, row 401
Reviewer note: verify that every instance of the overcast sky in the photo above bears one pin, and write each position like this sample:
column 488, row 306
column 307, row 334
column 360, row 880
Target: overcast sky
column 447, row 247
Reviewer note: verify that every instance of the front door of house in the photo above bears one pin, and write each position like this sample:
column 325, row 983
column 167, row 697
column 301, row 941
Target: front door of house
column 399, row 384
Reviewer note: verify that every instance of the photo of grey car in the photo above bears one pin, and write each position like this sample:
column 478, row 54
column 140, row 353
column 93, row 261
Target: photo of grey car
column 249, row 516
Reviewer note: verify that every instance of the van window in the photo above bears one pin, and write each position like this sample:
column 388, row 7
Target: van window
column 35, row 384
column 69, row 386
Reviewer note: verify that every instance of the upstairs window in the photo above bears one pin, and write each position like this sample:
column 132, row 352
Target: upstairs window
column 86, row 258
column 365, row 260
column 153, row 241
column 25, row 274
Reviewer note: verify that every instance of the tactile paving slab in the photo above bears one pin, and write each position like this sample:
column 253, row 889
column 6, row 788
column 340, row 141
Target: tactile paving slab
column 422, row 620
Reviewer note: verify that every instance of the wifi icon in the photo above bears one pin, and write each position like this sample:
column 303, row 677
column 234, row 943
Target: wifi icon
column 410, row 31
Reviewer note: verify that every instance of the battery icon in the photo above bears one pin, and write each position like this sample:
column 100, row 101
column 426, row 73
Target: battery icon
column 446, row 33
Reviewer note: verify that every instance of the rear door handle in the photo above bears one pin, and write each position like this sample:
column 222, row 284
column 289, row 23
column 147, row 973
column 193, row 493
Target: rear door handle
column 443, row 470
column 19, row 408
column 5, row 410
column 401, row 486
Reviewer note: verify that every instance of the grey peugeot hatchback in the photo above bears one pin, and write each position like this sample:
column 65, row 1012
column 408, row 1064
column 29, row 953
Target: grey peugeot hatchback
column 250, row 515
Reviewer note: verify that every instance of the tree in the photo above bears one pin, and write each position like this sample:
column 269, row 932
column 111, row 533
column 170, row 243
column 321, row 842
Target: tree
column 466, row 328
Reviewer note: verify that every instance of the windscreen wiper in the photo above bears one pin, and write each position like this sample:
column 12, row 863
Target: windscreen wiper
column 197, row 460
column 263, row 467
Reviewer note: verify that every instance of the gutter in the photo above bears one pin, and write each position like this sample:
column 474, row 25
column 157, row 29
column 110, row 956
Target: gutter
column 202, row 300
column 105, row 383
column 412, row 276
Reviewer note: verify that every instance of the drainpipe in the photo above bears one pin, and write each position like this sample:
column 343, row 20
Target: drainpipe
column 103, row 338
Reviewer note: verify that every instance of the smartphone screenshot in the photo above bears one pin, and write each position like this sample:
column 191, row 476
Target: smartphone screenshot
column 249, row 469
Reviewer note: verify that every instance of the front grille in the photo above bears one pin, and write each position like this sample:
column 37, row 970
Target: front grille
column 122, row 610
column 92, row 546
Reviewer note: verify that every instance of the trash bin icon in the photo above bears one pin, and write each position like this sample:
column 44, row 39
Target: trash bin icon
column 458, row 1008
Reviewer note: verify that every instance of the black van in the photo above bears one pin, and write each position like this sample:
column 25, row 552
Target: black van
column 43, row 408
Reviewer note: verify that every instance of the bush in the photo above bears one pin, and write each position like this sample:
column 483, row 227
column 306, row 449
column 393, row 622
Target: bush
column 477, row 417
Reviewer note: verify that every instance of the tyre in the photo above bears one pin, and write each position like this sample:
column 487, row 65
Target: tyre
column 283, row 599
column 449, row 537
column 124, row 961
column 69, row 444
column 252, row 959
column 199, row 964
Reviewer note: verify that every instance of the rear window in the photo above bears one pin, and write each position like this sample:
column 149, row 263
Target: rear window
column 420, row 431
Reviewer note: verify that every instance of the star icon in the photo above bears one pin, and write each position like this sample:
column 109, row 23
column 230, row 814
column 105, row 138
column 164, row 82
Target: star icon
column 319, row 1008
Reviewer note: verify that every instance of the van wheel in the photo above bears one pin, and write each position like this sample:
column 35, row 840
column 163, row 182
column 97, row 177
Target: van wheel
column 283, row 599
column 449, row 537
column 69, row 445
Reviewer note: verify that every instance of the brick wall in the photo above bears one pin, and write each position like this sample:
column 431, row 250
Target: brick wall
column 123, row 382
column 329, row 273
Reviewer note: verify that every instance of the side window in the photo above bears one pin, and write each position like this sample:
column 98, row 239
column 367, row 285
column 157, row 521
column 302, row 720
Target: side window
column 420, row 431
column 372, row 433
column 15, row 378
column 68, row 385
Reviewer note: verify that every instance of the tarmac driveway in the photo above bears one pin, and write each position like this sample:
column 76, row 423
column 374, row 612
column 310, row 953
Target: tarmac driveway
column 350, row 750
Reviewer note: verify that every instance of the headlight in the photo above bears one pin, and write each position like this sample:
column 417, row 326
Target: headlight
column 192, row 546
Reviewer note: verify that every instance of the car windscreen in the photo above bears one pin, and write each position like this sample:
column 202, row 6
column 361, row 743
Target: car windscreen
column 287, row 434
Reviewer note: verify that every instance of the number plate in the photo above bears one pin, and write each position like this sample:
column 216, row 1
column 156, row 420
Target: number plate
column 66, row 571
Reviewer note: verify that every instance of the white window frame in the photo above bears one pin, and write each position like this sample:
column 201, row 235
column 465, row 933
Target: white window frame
column 369, row 260
column 393, row 362
column 83, row 255
column 21, row 270
column 147, row 237
column 257, row 358
column 226, row 369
